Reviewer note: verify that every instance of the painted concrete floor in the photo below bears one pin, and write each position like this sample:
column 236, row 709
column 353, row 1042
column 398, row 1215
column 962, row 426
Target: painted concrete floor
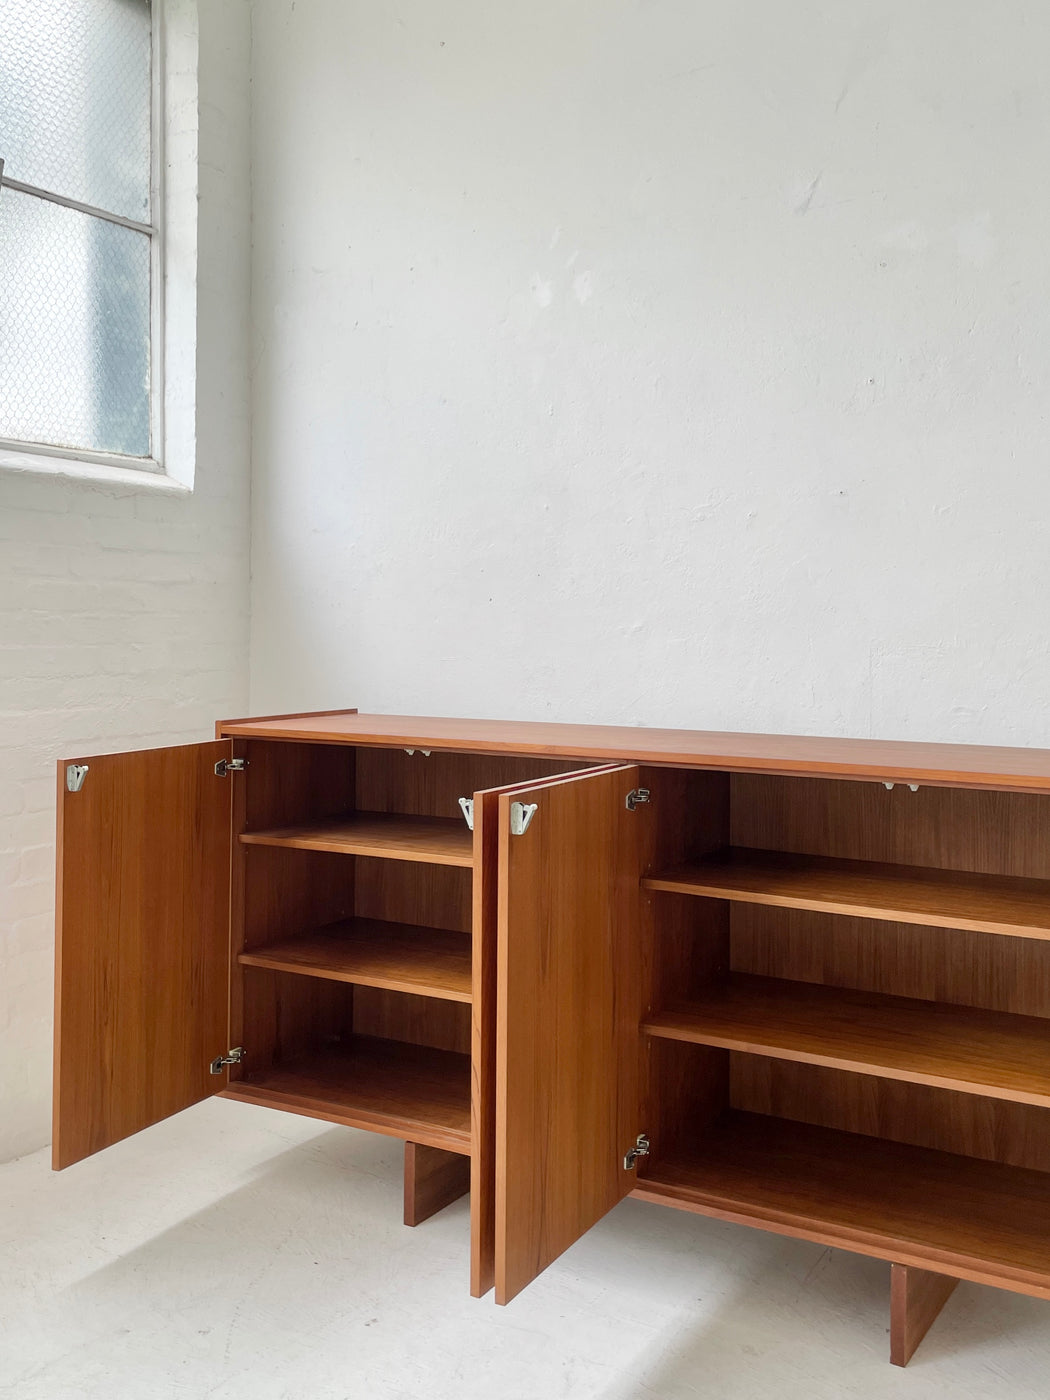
column 238, row 1253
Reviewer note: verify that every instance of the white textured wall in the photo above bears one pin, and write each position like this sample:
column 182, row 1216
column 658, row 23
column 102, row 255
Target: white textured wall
column 666, row 361
column 124, row 614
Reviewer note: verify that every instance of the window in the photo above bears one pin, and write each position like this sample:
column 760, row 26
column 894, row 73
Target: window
column 80, row 270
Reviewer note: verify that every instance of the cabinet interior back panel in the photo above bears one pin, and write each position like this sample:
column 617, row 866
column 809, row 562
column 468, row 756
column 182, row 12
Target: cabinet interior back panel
column 288, row 892
column 287, row 1016
column 391, row 780
column 907, row 960
column 948, row 828
column 416, row 1020
column 288, row 784
column 971, row 1125
column 410, row 892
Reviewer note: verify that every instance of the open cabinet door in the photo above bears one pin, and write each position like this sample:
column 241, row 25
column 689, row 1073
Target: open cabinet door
column 568, row 1011
column 486, row 823
column 142, row 941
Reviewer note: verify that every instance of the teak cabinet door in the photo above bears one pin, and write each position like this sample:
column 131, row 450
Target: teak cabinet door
column 142, row 941
column 568, row 1011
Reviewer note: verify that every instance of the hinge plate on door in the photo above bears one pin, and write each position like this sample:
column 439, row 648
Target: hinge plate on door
column 230, row 765
column 637, row 797
column 640, row 1149
column 232, row 1057
column 466, row 806
column 75, row 775
column 521, row 813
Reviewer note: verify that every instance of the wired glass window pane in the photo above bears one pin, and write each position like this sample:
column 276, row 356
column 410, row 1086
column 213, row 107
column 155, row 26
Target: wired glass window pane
column 75, row 100
column 74, row 328
column 76, row 93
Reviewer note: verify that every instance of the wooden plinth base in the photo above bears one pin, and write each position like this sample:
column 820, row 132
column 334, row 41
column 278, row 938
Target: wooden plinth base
column 433, row 1180
column 916, row 1297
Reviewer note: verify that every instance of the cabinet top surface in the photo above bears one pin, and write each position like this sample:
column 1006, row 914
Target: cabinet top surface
column 967, row 765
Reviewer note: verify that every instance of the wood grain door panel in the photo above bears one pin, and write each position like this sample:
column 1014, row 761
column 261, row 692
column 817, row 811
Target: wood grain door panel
column 568, row 1010
column 483, row 1043
column 142, row 942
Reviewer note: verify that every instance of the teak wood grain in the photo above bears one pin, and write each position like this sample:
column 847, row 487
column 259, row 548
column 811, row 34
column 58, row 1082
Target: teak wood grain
column 287, row 1017
column 370, row 952
column 404, row 1091
column 434, row 1179
column 411, row 892
column 142, row 956
column 441, row 840
column 942, row 828
column 947, row 1120
column 871, row 955
column 567, row 1045
column 973, row 766
column 974, row 1220
column 288, row 892
column 430, row 785
column 684, row 944
column 285, row 784
column 277, row 890
column 868, row 889
column 483, row 1027
column 902, row 1118
column 267, row 719
column 916, row 1299
column 414, row 1019
column 924, row 1042
column 483, row 1045
column 684, row 941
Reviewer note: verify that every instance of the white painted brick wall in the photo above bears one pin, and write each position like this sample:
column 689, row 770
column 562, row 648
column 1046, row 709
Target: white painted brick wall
column 124, row 613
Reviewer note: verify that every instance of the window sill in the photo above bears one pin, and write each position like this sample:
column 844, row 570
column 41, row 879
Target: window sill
column 149, row 477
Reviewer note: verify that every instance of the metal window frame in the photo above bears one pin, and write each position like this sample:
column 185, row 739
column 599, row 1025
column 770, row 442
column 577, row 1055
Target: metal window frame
column 155, row 230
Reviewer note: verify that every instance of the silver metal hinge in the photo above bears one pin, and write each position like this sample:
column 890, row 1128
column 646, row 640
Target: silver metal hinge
column 234, row 1057
column 230, row 765
column 466, row 806
column 637, row 797
column 75, row 772
column 521, row 814
column 640, row 1149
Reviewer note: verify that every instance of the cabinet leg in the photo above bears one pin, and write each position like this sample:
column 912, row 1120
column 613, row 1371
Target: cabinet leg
column 433, row 1180
column 916, row 1297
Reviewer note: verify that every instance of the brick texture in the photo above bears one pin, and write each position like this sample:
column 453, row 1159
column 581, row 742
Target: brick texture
column 124, row 612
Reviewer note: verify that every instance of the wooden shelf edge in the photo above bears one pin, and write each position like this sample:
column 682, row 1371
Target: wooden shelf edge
column 382, row 835
column 877, row 760
column 887, row 1037
column 859, row 1066
column 885, row 1246
column 348, row 937
column 801, row 1227
column 358, row 979
column 951, row 1214
column 778, row 879
column 451, row 1139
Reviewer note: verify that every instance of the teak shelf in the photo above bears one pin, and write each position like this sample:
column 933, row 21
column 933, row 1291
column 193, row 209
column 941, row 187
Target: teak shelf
column 405, row 1091
column 431, row 962
column 977, row 1220
column 868, row 889
column 433, row 840
column 922, row 1042
column 799, row 983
